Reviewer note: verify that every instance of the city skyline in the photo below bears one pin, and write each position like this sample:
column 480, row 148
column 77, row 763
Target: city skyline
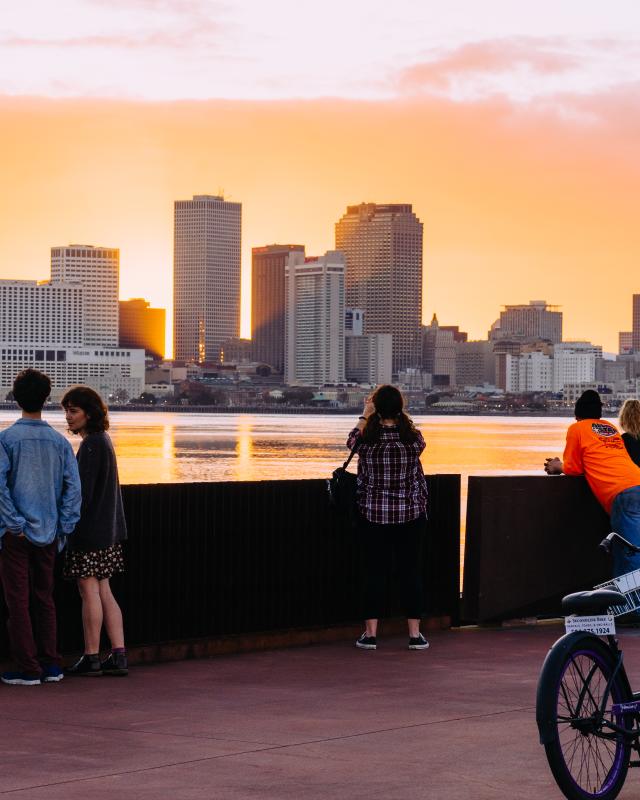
column 512, row 132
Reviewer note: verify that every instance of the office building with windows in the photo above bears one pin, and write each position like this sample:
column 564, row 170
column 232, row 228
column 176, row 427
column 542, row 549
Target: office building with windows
column 206, row 276
column 537, row 320
column 382, row 246
column 314, row 319
column 267, row 302
column 98, row 270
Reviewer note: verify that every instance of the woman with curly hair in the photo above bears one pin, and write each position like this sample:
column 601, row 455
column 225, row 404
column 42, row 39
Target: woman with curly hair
column 392, row 504
column 630, row 424
column 94, row 552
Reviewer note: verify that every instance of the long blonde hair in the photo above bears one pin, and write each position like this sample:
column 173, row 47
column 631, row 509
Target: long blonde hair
column 630, row 417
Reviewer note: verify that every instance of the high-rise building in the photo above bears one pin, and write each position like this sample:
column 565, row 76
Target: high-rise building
column 267, row 302
column 354, row 322
column 206, row 276
column 625, row 342
column 41, row 327
column 382, row 245
column 635, row 325
column 537, row 320
column 142, row 327
column 314, row 314
column 98, row 270
column 43, row 315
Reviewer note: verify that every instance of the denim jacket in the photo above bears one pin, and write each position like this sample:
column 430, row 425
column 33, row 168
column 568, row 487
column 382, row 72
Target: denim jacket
column 40, row 493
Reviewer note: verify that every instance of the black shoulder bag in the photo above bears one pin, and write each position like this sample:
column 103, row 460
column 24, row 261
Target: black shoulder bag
column 341, row 486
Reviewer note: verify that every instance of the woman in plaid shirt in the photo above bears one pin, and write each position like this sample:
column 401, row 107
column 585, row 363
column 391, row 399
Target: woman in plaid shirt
column 392, row 504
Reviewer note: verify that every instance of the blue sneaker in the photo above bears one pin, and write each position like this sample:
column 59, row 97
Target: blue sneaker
column 20, row 678
column 51, row 673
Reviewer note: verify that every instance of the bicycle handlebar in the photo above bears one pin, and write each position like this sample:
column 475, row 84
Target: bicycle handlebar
column 607, row 543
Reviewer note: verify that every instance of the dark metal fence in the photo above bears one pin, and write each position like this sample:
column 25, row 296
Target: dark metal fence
column 529, row 541
column 212, row 559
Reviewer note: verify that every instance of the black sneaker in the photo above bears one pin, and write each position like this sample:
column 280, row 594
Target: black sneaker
column 418, row 642
column 115, row 664
column 366, row 642
column 86, row 667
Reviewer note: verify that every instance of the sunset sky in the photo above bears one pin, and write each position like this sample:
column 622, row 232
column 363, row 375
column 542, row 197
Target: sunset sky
column 512, row 127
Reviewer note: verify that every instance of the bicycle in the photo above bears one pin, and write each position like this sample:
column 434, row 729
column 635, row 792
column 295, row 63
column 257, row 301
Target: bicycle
column 588, row 718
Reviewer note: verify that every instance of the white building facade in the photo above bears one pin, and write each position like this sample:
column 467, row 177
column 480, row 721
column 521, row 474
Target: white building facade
column 575, row 363
column 47, row 314
column 98, row 270
column 115, row 374
column 529, row 372
column 368, row 358
column 314, row 319
column 42, row 327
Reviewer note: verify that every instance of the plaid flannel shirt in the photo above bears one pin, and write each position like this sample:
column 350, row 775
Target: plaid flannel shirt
column 391, row 485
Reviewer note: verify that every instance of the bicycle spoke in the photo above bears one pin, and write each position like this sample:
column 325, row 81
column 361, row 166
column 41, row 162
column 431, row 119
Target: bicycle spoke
column 589, row 757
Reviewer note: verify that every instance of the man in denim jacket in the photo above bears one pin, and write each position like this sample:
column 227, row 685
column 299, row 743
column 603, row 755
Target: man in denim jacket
column 40, row 500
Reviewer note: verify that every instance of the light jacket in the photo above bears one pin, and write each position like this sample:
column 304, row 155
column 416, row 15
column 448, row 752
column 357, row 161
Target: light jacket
column 40, row 493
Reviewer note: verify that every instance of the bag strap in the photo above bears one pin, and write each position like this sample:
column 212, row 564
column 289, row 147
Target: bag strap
column 351, row 454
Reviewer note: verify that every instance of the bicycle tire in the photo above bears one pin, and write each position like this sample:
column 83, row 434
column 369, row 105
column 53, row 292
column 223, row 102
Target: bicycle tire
column 583, row 760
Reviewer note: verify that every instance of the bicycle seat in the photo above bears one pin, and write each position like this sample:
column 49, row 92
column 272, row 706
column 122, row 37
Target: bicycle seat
column 594, row 602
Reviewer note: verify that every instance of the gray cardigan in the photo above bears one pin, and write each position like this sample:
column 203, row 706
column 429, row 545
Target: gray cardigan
column 102, row 521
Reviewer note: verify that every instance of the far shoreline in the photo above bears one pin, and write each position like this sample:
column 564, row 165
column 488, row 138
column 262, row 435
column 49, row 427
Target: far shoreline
column 311, row 410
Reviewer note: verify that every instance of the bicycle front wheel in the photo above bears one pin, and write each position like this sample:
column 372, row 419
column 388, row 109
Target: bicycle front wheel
column 586, row 749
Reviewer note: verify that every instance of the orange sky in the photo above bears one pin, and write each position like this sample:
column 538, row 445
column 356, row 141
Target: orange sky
column 518, row 202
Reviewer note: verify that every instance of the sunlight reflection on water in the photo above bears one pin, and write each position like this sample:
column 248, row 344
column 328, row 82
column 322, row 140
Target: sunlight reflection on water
column 161, row 447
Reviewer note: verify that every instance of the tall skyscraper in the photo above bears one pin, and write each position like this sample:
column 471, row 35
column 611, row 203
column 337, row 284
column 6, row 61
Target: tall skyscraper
column 314, row 313
column 267, row 302
column 382, row 245
column 98, row 270
column 635, row 326
column 625, row 342
column 537, row 320
column 206, row 276
column 142, row 326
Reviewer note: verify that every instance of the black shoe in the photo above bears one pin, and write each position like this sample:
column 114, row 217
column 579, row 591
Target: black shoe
column 366, row 642
column 418, row 642
column 115, row 664
column 87, row 667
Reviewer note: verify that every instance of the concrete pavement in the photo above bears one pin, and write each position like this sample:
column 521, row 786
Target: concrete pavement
column 326, row 721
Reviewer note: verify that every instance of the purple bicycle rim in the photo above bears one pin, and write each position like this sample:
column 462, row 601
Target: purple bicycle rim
column 617, row 763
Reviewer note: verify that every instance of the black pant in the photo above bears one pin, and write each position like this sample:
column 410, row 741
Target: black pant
column 377, row 542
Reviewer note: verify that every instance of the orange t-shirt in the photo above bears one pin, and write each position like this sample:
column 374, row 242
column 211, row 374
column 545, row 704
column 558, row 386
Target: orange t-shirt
column 595, row 449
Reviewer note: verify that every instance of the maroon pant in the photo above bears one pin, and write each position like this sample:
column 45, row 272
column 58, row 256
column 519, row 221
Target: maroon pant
column 27, row 578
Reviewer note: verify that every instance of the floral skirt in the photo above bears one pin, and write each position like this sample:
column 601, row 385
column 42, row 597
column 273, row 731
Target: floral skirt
column 98, row 564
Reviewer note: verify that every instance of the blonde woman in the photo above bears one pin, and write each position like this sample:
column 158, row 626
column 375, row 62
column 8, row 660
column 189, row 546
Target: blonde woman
column 630, row 424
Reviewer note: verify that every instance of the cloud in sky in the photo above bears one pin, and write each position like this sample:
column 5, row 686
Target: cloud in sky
column 523, row 69
column 490, row 57
column 282, row 49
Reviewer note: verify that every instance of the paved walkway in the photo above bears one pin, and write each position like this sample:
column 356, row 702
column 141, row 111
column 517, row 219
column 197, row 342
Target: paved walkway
column 326, row 721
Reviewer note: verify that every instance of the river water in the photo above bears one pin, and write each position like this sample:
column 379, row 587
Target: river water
column 165, row 447
column 158, row 447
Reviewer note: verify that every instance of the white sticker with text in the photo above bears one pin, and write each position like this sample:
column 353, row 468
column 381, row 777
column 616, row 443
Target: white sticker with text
column 602, row 625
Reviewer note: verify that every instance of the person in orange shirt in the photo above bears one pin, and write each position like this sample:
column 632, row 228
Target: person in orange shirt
column 596, row 450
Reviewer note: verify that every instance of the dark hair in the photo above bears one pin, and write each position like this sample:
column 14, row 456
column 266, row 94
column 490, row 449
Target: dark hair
column 91, row 403
column 389, row 404
column 588, row 405
column 31, row 389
